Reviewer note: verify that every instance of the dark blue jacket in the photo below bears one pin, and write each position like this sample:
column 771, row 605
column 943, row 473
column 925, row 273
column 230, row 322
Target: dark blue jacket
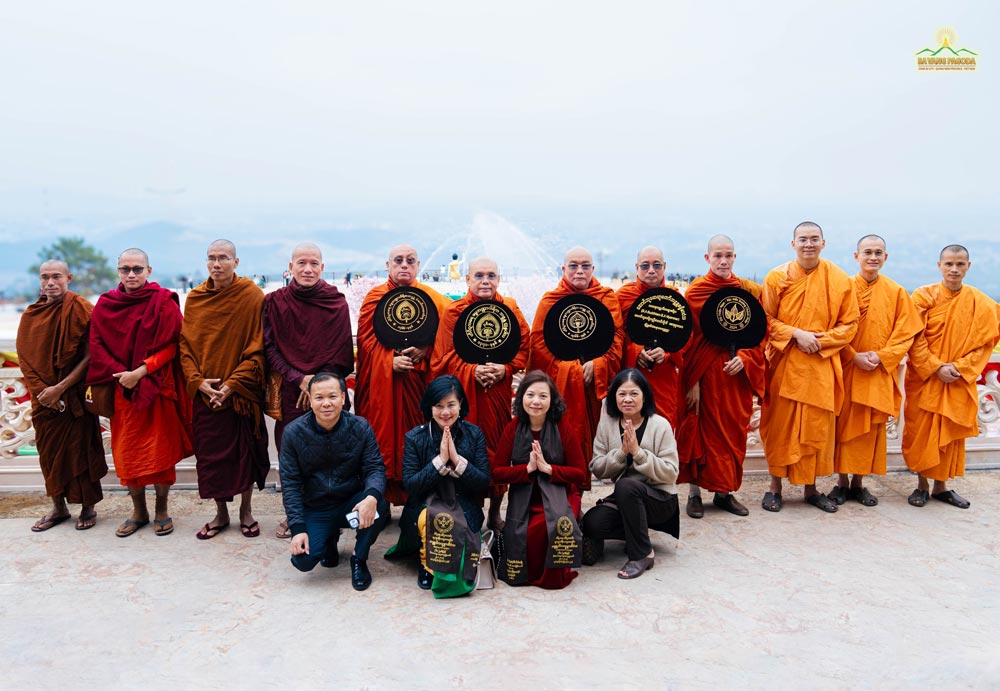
column 420, row 477
column 321, row 468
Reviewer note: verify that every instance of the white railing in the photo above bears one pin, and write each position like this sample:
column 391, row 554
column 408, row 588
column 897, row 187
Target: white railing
column 20, row 471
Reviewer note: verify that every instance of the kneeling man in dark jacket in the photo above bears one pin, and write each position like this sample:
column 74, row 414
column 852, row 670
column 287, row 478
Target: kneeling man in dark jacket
column 330, row 467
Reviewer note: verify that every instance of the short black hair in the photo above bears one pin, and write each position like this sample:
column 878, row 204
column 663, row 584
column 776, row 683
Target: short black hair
column 807, row 224
column 557, row 406
column 321, row 377
column 440, row 388
column 630, row 375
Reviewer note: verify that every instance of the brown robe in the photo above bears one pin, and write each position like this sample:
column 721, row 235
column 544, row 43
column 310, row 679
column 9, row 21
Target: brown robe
column 51, row 341
column 223, row 338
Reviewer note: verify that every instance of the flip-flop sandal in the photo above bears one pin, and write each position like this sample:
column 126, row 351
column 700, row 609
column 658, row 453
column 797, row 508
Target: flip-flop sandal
column 163, row 526
column 252, row 530
column 48, row 522
column 864, row 497
column 838, row 494
column 91, row 517
column 949, row 497
column 918, row 497
column 283, row 532
column 771, row 501
column 130, row 526
column 821, row 501
column 208, row 532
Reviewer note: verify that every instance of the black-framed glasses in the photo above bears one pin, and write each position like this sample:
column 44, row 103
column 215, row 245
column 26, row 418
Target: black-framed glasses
column 126, row 270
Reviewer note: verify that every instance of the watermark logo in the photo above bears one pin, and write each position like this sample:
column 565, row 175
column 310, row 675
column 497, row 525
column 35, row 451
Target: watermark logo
column 946, row 58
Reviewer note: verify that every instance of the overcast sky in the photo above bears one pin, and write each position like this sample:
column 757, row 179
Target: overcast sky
column 126, row 111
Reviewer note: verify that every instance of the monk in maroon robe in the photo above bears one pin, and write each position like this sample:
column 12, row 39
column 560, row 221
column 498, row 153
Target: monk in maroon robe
column 133, row 350
column 53, row 355
column 307, row 330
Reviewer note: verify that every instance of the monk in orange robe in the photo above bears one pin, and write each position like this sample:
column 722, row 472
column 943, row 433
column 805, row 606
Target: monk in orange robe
column 582, row 385
column 222, row 354
column 390, row 383
column 812, row 314
column 133, row 348
column 662, row 369
column 488, row 386
column 53, row 355
column 719, row 391
column 946, row 359
column 886, row 330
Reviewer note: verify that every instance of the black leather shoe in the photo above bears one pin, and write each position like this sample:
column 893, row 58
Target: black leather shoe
column 593, row 551
column 361, row 577
column 332, row 557
column 424, row 578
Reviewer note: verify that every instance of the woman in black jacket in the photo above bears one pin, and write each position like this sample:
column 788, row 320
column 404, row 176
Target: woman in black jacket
column 445, row 466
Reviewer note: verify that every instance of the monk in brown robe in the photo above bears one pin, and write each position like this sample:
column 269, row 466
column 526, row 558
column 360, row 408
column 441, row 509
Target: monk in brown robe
column 488, row 386
column 719, row 391
column 812, row 314
column 946, row 359
column 222, row 353
column 662, row 369
column 53, row 355
column 133, row 349
column 307, row 330
column 390, row 384
column 886, row 329
column 582, row 385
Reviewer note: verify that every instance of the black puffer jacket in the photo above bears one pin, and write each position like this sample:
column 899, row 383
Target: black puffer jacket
column 321, row 468
column 420, row 477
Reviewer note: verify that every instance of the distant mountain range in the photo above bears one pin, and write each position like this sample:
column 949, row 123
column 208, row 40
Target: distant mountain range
column 524, row 246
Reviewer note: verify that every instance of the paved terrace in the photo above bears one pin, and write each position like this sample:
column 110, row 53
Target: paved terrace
column 883, row 597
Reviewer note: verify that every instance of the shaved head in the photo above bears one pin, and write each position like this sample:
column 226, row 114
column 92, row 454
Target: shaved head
column 649, row 253
column 307, row 247
column 403, row 265
column 54, row 265
column 720, row 240
column 135, row 252
column 807, row 225
column 578, row 253
column 871, row 237
column 483, row 264
column 957, row 249
column 401, row 250
column 225, row 245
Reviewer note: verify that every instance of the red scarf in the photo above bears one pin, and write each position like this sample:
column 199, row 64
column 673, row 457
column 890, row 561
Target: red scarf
column 125, row 329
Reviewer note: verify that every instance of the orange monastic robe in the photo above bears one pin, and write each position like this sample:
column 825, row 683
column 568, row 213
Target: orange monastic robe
column 959, row 328
column 887, row 326
column 583, row 401
column 805, row 392
column 712, row 443
column 663, row 378
column 489, row 409
column 389, row 401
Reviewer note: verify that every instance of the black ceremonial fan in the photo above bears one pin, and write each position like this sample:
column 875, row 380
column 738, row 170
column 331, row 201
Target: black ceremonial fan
column 404, row 317
column 660, row 318
column 579, row 327
column 487, row 331
column 734, row 319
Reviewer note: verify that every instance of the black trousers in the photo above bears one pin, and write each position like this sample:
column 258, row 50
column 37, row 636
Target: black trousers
column 638, row 506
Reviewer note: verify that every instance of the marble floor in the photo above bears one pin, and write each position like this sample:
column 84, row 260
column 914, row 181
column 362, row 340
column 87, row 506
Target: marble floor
column 883, row 597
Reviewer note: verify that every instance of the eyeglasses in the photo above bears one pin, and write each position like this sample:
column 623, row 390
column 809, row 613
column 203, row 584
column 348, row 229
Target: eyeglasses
column 220, row 258
column 656, row 266
column 399, row 261
column 126, row 270
column 577, row 267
